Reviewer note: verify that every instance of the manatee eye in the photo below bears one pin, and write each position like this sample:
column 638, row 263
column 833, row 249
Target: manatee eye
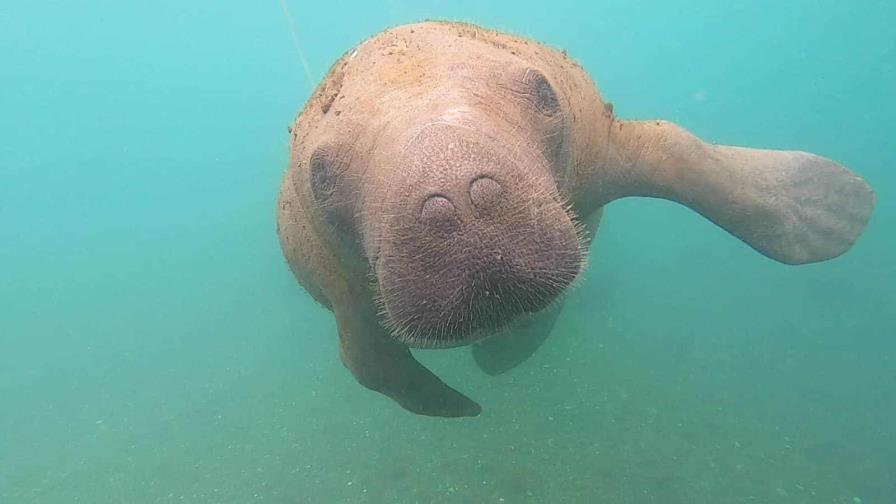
column 321, row 172
column 531, row 87
column 541, row 92
column 328, row 163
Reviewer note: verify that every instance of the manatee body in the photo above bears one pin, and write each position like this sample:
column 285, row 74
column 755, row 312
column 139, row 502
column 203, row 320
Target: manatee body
column 445, row 181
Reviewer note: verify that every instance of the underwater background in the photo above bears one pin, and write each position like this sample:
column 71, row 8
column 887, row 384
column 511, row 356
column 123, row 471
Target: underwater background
column 155, row 348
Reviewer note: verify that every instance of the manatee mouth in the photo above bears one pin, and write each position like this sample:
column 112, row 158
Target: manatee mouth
column 457, row 291
column 470, row 236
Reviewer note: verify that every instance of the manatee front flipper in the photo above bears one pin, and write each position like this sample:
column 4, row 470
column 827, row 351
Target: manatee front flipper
column 506, row 350
column 385, row 365
column 794, row 207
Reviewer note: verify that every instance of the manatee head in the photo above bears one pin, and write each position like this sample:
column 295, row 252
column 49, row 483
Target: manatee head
column 472, row 237
column 454, row 195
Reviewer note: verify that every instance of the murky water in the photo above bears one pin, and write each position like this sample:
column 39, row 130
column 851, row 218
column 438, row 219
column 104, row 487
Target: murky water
column 155, row 348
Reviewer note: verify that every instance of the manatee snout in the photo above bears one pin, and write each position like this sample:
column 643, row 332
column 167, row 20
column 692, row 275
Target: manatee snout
column 478, row 238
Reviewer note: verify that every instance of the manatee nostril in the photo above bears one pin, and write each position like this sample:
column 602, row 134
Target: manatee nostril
column 437, row 209
column 485, row 192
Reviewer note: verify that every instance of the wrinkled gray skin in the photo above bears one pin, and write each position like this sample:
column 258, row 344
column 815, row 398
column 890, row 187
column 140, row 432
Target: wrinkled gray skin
column 445, row 181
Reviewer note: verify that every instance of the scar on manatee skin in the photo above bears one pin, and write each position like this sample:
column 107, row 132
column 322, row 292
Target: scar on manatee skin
column 331, row 89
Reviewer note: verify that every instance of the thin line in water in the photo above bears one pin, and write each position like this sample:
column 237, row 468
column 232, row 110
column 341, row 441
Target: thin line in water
column 295, row 42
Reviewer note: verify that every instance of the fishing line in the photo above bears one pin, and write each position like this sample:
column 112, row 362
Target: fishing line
column 296, row 44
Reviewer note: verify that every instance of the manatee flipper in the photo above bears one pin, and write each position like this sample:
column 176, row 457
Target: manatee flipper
column 794, row 207
column 507, row 350
column 504, row 351
column 387, row 366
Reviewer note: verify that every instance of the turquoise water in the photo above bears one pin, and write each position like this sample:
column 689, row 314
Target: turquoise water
column 155, row 348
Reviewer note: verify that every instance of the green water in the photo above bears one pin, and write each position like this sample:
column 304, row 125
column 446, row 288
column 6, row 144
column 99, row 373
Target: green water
column 155, row 348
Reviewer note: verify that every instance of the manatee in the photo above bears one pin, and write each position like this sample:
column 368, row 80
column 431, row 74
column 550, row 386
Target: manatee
column 445, row 182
